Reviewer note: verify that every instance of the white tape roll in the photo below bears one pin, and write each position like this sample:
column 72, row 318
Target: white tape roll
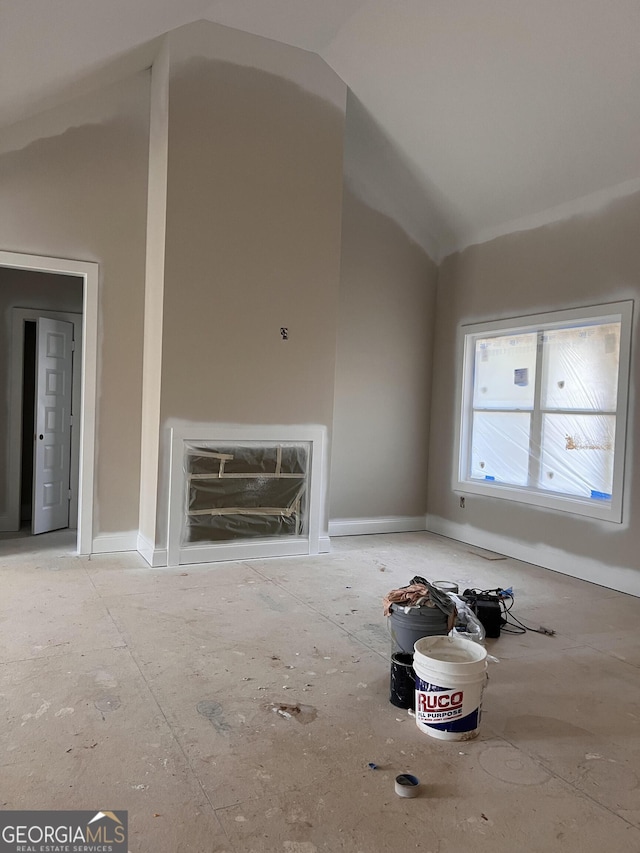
column 446, row 586
column 407, row 785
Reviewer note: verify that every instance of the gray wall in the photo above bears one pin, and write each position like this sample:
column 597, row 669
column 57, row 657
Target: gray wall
column 73, row 185
column 385, row 331
column 26, row 289
column 579, row 262
column 383, row 372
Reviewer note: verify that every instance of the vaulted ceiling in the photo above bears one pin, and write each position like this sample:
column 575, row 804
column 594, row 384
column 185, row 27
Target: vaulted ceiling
column 503, row 111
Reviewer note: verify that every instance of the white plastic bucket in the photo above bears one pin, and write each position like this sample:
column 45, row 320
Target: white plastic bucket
column 450, row 676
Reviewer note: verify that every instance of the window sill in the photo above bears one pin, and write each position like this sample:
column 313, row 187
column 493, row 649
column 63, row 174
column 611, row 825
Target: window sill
column 587, row 507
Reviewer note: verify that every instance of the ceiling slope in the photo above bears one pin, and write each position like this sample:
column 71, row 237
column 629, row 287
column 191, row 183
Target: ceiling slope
column 504, row 112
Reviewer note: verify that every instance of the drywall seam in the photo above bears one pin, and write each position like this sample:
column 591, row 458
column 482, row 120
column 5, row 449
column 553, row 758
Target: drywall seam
column 83, row 110
column 307, row 69
column 388, row 524
column 381, row 176
column 436, row 248
column 587, row 204
column 584, row 568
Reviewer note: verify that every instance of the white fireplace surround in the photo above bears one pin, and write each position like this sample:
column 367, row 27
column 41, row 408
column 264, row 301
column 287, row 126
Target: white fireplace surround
column 314, row 542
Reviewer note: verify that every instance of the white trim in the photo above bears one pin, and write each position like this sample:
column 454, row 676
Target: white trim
column 256, row 549
column 152, row 344
column 156, row 558
column 575, row 565
column 144, row 548
column 111, row 543
column 610, row 511
column 385, row 524
column 241, row 550
column 88, row 271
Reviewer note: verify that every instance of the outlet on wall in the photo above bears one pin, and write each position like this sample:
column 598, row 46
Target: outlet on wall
column 461, row 503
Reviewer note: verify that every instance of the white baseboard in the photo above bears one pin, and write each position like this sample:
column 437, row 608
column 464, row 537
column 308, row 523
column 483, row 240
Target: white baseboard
column 156, row 557
column 110, row 543
column 242, row 549
column 389, row 524
column 575, row 565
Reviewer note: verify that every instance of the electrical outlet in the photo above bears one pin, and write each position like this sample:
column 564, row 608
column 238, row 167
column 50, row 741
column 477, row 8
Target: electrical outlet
column 284, row 332
column 461, row 503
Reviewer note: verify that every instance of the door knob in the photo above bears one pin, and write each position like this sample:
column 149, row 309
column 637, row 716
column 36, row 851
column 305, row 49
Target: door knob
column 41, row 436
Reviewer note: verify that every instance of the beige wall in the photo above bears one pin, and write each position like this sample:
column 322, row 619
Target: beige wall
column 26, row 289
column 73, row 185
column 383, row 373
column 583, row 261
column 252, row 244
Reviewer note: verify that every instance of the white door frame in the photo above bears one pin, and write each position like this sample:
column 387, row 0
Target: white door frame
column 88, row 272
column 16, row 394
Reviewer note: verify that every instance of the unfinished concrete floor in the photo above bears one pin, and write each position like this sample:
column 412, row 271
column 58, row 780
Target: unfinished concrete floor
column 123, row 687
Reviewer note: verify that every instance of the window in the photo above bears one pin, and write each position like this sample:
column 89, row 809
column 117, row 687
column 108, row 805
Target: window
column 544, row 409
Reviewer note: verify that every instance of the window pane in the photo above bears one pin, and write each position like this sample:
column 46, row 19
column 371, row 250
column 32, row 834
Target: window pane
column 505, row 372
column 500, row 447
column 580, row 367
column 577, row 455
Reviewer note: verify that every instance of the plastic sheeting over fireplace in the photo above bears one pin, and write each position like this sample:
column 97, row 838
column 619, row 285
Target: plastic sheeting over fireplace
column 236, row 496
column 245, row 491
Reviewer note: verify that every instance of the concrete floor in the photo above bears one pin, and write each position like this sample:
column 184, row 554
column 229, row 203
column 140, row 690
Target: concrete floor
column 123, row 687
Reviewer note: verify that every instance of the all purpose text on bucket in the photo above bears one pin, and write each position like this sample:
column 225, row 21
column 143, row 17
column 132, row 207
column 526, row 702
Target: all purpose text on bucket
column 439, row 706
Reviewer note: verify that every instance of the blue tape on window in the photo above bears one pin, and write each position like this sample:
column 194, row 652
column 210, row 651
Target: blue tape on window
column 600, row 496
column 488, row 477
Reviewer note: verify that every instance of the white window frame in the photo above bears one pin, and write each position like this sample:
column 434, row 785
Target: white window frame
column 611, row 312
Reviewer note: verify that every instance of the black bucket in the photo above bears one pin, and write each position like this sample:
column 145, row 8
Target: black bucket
column 403, row 684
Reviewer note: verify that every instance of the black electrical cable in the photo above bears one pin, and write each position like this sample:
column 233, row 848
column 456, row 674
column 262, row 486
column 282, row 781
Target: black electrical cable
column 510, row 623
column 511, row 627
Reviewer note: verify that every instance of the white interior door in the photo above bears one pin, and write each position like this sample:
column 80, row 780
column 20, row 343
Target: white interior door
column 52, row 447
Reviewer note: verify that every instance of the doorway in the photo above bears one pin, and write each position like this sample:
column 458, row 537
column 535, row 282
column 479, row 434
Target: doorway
column 28, row 423
column 49, row 431
column 84, row 383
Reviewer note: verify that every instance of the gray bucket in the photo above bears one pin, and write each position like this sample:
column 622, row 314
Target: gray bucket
column 407, row 628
